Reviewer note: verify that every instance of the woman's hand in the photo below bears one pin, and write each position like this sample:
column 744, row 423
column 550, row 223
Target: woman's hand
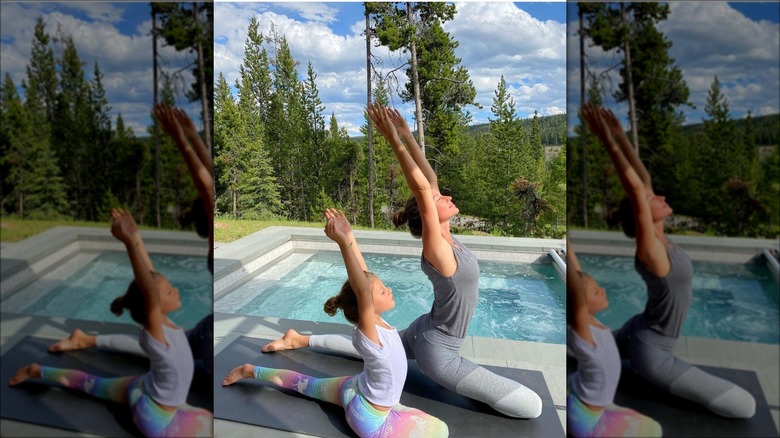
column 169, row 121
column 399, row 122
column 380, row 116
column 337, row 227
column 595, row 117
column 123, row 227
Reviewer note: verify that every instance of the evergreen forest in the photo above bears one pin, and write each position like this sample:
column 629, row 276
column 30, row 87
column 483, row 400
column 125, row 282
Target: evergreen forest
column 65, row 157
column 279, row 153
column 721, row 176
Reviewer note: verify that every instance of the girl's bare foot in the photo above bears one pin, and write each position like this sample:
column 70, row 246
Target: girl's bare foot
column 290, row 341
column 76, row 341
column 32, row 371
column 239, row 373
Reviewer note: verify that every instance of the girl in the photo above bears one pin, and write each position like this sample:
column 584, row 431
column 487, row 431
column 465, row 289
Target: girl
column 157, row 398
column 589, row 408
column 371, row 398
column 434, row 339
column 178, row 126
column 648, row 338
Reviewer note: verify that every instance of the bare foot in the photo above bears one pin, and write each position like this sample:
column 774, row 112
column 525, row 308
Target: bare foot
column 32, row 371
column 239, row 373
column 76, row 341
column 290, row 341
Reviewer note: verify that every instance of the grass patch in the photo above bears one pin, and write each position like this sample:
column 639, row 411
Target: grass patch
column 227, row 230
column 13, row 229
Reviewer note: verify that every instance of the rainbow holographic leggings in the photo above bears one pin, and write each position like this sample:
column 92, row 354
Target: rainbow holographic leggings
column 613, row 421
column 362, row 417
column 151, row 419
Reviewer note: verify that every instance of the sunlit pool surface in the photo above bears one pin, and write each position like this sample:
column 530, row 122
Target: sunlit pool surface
column 736, row 302
column 87, row 292
column 517, row 301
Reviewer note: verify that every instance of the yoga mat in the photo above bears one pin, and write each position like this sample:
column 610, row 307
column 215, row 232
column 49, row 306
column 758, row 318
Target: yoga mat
column 263, row 404
column 53, row 405
column 680, row 417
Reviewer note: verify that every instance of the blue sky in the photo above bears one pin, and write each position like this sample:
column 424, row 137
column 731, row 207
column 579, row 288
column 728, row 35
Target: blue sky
column 116, row 35
column 738, row 42
column 525, row 42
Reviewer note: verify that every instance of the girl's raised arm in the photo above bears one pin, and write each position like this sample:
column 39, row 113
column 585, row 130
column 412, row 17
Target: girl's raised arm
column 126, row 231
column 576, row 292
column 436, row 249
column 338, row 229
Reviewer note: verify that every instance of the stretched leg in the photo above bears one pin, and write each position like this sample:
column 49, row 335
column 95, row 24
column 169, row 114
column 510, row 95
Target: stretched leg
column 613, row 421
column 652, row 358
column 201, row 339
column 400, row 421
column 154, row 421
column 438, row 356
column 293, row 340
column 325, row 389
column 113, row 388
column 76, row 341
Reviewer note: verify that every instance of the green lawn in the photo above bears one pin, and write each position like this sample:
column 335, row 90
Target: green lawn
column 225, row 229
column 14, row 230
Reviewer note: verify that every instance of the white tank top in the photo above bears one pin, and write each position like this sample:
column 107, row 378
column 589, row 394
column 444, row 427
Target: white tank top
column 384, row 372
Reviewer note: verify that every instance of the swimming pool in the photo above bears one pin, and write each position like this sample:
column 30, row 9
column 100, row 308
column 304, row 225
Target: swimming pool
column 730, row 301
column 84, row 285
column 517, row 301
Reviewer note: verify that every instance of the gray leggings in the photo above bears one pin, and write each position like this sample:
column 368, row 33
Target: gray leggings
column 651, row 357
column 438, row 356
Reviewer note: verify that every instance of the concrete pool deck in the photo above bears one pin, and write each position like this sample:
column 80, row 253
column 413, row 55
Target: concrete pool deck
column 266, row 252
column 763, row 359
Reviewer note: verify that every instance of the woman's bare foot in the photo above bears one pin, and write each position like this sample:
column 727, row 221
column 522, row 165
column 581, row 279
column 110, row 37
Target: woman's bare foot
column 32, row 371
column 239, row 373
column 290, row 341
column 76, row 341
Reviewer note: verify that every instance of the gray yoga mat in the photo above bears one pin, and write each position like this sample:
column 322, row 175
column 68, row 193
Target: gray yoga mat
column 680, row 417
column 52, row 405
column 260, row 403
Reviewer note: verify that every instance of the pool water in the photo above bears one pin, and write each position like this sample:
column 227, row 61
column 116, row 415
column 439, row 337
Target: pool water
column 520, row 302
column 737, row 302
column 87, row 292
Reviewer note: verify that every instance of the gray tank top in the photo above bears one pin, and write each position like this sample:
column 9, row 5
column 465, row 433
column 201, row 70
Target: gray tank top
column 669, row 297
column 455, row 297
column 598, row 367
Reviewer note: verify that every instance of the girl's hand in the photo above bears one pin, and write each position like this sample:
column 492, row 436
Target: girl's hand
column 123, row 227
column 380, row 117
column 399, row 122
column 337, row 227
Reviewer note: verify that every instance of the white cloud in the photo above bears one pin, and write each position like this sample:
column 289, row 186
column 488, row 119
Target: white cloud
column 312, row 11
column 531, row 54
column 125, row 61
column 708, row 39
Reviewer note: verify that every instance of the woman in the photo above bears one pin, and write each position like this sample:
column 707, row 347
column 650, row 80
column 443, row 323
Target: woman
column 158, row 398
column 371, row 398
column 648, row 338
column 434, row 339
column 589, row 408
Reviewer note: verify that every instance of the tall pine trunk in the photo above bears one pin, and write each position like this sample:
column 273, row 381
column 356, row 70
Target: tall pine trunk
column 416, row 83
column 370, row 129
column 630, row 82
